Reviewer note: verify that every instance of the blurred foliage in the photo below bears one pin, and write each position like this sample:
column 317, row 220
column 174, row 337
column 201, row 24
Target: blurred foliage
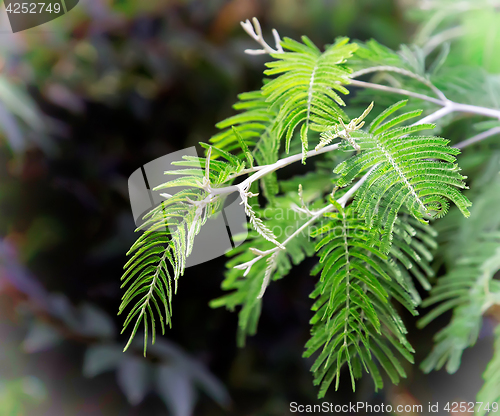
column 18, row 397
column 51, row 319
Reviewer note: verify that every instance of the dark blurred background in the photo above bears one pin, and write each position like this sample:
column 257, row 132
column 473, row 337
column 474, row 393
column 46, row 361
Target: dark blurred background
column 88, row 99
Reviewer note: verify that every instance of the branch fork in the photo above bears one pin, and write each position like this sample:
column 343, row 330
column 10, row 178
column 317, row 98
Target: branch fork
column 255, row 32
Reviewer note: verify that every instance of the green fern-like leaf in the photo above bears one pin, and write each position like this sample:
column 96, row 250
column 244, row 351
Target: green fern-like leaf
column 267, row 152
column 158, row 257
column 219, row 173
column 252, row 123
column 413, row 249
column 354, row 322
column 490, row 393
column 416, row 172
column 306, row 92
column 468, row 289
column 249, row 136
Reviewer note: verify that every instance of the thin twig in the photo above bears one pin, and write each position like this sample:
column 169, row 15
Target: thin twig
column 478, row 138
column 451, row 106
column 388, row 68
column 436, row 115
column 266, row 169
column 401, row 91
